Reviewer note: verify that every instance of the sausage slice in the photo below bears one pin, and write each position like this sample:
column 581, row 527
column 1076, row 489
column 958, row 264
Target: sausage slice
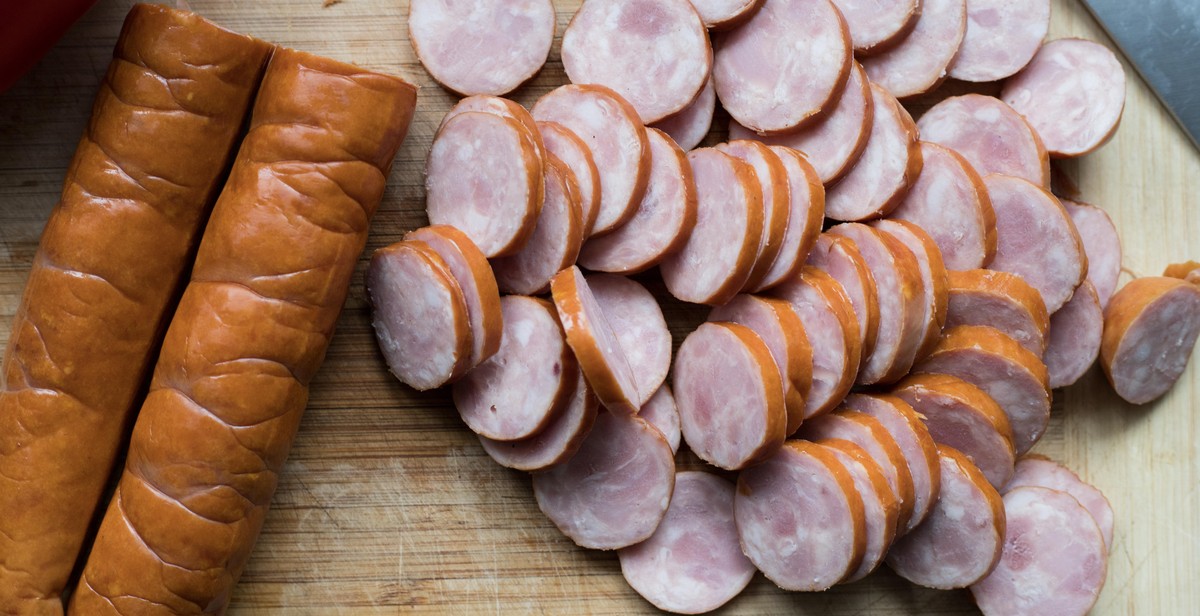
column 933, row 277
column 1150, row 329
column 640, row 329
column 1074, row 340
column 776, row 201
column 839, row 256
column 689, row 126
column 881, row 509
column 555, row 241
column 557, row 441
column 726, row 14
column 1035, row 470
column 496, row 105
column 875, row 25
column 1000, row 300
column 917, row 63
column 1002, row 37
column 568, row 148
column 807, row 204
column 661, row 412
column 1101, row 244
column 989, row 134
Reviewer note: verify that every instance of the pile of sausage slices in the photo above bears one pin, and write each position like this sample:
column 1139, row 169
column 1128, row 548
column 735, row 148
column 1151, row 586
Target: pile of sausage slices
column 876, row 384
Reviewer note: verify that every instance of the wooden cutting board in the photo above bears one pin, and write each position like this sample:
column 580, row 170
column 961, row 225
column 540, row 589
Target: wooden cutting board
column 389, row 505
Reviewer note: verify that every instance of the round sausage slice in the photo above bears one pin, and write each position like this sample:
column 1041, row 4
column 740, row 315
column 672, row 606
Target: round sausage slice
column 776, row 199
column 615, row 490
column 962, row 539
column 771, row 80
column 950, row 202
column 989, row 134
column 933, row 277
column 1074, row 340
column 661, row 412
column 555, row 241
column 692, row 563
column 1072, row 93
column 840, row 257
column 1101, row 244
column 725, row 14
column 654, row 53
column 689, row 126
column 875, row 25
column 807, row 204
column 881, row 510
column 497, row 106
column 473, row 48
column 557, row 441
column 1000, row 300
column 567, row 147
column 1054, row 560
column 917, row 63
column 1002, row 37
column 1150, row 329
column 640, row 328
column 1035, row 470
column 1189, row 271
column 800, row 519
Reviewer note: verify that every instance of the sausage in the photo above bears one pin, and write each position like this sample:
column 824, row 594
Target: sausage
column 840, row 257
column 498, row 209
column 1035, row 470
column 1150, row 329
column 1036, row 239
column 989, row 134
column 689, row 126
column 481, row 49
column 1054, row 560
column 1074, row 340
column 654, row 53
column 729, row 394
column 664, row 220
column 614, row 133
column 800, row 519
column 726, row 14
column 474, row 276
column 692, row 563
column 875, row 26
column 594, row 342
column 640, row 329
column 558, row 440
column 834, row 143
column 950, row 202
column 933, row 277
column 556, row 239
column 1189, row 271
column 806, row 198
column 962, row 416
column 568, row 148
column 615, row 490
column 1101, row 244
column 772, row 81
column 1072, row 93
column 1000, row 300
column 888, row 166
column 420, row 315
column 249, row 334
column 513, row 394
column 661, row 412
column 1002, row 37
column 776, row 200
column 917, row 63
column 881, row 509
column 94, row 300
column 503, row 107
column 1011, row 375
column 962, row 539
column 717, row 257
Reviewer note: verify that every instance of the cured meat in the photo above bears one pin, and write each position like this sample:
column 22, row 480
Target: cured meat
column 840, row 257
column 1054, row 560
column 1101, row 244
column 654, row 53
column 503, row 107
column 615, row 490
column 950, row 202
column 807, row 205
column 990, row 135
column 726, row 14
column 962, row 416
column 716, row 260
column 1150, row 329
column 568, row 148
column 1036, row 239
column 616, row 137
column 933, row 277
column 776, row 201
column 513, row 394
column 1002, row 37
column 555, row 241
column 420, row 316
column 557, row 441
column 692, row 563
column 494, row 193
column 471, row 48
column 878, row 25
column 770, row 77
column 800, row 519
column 881, row 509
column 1189, row 271
column 917, row 63
column 660, row 411
column 962, row 539
column 1012, row 376
column 1072, row 93
column 729, row 395
column 689, row 126
column 888, row 166
column 640, row 329
column 1000, row 300
column 1074, row 340
column 1035, row 470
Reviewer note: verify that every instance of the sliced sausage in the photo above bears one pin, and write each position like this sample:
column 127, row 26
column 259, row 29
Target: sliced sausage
column 964, row 417
column 1150, row 329
column 1101, row 244
column 1072, row 93
column 933, row 277
column 840, row 257
column 615, row 135
column 1189, row 271
column 800, row 519
column 692, row 563
column 654, row 53
column 776, row 201
column 917, row 63
column 729, row 395
column 497, row 106
column 689, row 126
column 726, row 14
column 877, row 25
column 1074, row 340
column 950, row 202
column 807, row 204
column 1002, row 37
column 567, row 147
column 888, row 166
column 771, row 80
column 881, row 509
column 1036, row 239
column 1035, row 470
column 1000, row 300
column 615, row 490
column 481, row 49
column 557, row 441
column 594, row 342
column 716, row 260
column 555, row 241
column 513, row 394
column 420, row 315
column 640, row 329
column 989, row 134
column 661, row 412
column 961, row 540
column 1054, row 560
column 493, row 193
column 992, row 361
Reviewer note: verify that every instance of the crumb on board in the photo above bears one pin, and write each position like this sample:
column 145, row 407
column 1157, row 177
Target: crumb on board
column 328, row 3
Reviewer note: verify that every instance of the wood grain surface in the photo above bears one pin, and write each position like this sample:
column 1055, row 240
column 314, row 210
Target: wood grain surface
column 389, row 505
